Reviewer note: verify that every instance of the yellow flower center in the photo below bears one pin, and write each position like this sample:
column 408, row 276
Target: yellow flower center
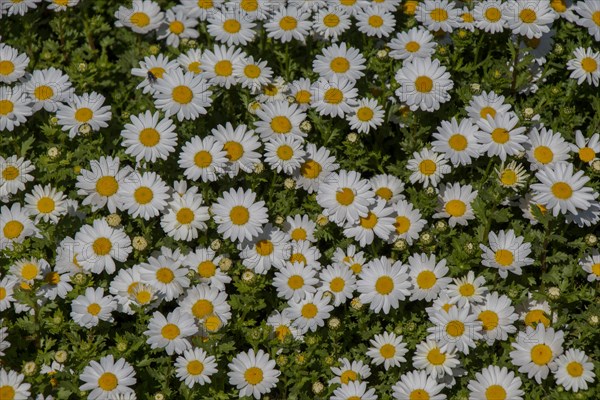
column 412, row 46
column 485, row 111
column 385, row 193
column 528, row 16
column 182, row 94
column 468, row 17
column 387, row 351
column 10, row 173
column 13, row 229
column 281, row 124
column 298, row 234
column 7, row 392
column 288, row 23
column 504, row 257
column 455, row 328
column 375, row 21
column 562, row 190
column 345, row 196
column 364, row 114
column 29, row 271
column 108, row 381
column 143, row 195
column 493, row 14
column 337, row 284
column 143, row 297
column 43, row 92
column 202, row 308
column 426, row 279
column 194, row 67
column 589, row 65
column 339, row 65
column 83, row 114
column 285, row 152
column 149, row 137
column 436, row 357
column 534, row 317
column 195, row 367
column 495, row 392
column 249, row 5
column 157, row 71
column 176, row 27
column 402, row 224
column 419, row 394
column 107, row 186
column 543, row 154
column 587, row 154
column 331, row 20
column 52, row 278
column 333, row 96
column 2, row 293
column 410, row 7
column 253, row 375
column 252, row 71
column 102, row 246
column 596, row 269
column 384, row 285
column 309, row 310
column 45, row 205
column 466, row 290
column 303, row 97
column 456, row 208
column 6, row 67
column 223, row 68
column 94, row 309
column 170, row 331
column 205, row 4
column 508, row 177
column 234, row 150
column 560, row 6
column 185, row 216
column 164, row 275
column 298, row 257
column 596, row 17
column 427, row 167
column 500, row 135
column 369, row 221
column 348, row 376
column 489, row 319
column 264, row 248
column 424, row 84
column 295, row 282
column 203, row 159
column 239, row 215
column 575, row 369
column 541, row 354
column 311, row 169
column 281, row 332
column 139, row 19
column 457, row 142
column 232, row 26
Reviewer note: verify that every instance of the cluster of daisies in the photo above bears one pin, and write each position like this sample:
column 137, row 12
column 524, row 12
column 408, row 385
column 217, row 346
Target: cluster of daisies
column 186, row 289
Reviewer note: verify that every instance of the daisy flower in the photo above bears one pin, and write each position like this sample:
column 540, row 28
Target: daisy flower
column 335, row 97
column 418, row 385
column 562, row 190
column 379, row 222
column 61, row 5
column 144, row 195
column 424, row 84
column 494, row 382
column 231, row 26
column 201, row 9
column 253, row 373
column 202, row 302
column 276, row 90
column 4, row 344
column 497, row 317
column 252, row 74
column 177, row 25
column 499, row 135
column 407, row 222
column 165, row 273
column 388, row 188
column 108, row 379
column 507, row 252
column 149, row 138
column 190, row 61
column 288, row 23
column 367, row 114
column 218, row 65
column 349, row 371
column 530, row 19
column 414, row 43
column 304, row 253
column 269, row 248
column 574, row 370
column 15, row 107
column 101, row 245
column 88, row 309
column 123, row 286
column 170, row 333
column 438, row 15
column 455, row 203
column 345, row 197
column 28, row 270
column 546, row 148
column 458, row 142
column 535, row 351
column 486, row 104
column 467, row 290
column 387, row 349
column 490, row 16
column 586, row 149
column 144, row 16
column 350, row 7
column 585, row 66
column 185, row 216
column 205, row 262
column 55, row 284
column 341, row 61
column 375, row 21
column 15, row 226
column 428, row 167
column 383, row 284
column 589, row 17
column 279, row 118
column 340, row 281
column 354, row 390
column 203, row 159
column 437, row 362
column 316, row 168
column 534, row 312
column 238, row 216
column 591, row 264
column 240, row 144
column 284, row 153
column 103, row 183
column 81, row 110
column 154, row 66
column 184, row 95
column 512, row 175
column 12, row 63
column 350, row 258
column 282, row 327
column 310, row 312
column 48, row 88
column 427, row 277
column 195, row 366
column 7, row 285
column 295, row 280
column 14, row 174
column 331, row 22
column 455, row 329
column 300, row 227
column 12, row 386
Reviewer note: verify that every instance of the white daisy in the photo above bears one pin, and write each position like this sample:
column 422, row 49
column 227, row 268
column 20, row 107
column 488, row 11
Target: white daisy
column 15, row 226
column 455, row 329
column 379, row 222
column 81, row 110
column 428, row 167
column 284, row 153
column 152, row 69
column 185, row 95
column 388, row 188
column 589, row 16
column 585, row 66
column 195, row 366
column 300, row 227
column 349, row 371
column 240, row 144
column 490, row 16
column 455, row 203
column 387, row 349
column 545, row 148
column 170, row 332
column 252, row 74
column 48, row 88
column 145, row 195
column 341, row 61
column 238, row 216
column 203, row 302
column 101, row 245
column 590, row 263
column 108, row 379
column 316, row 168
column 310, row 312
column 231, row 26
column 499, row 135
column 486, row 104
column 15, row 107
column 143, row 16
column 253, row 373
column 424, row 84
column 203, row 159
column 330, row 22
column 12, row 63
column 383, row 284
column 375, row 21
column 282, row 327
column 535, row 351
column 185, row 216
column 458, row 142
column 586, row 149
column 190, row 61
column 427, row 277
column 88, row 309
column 437, row 362
column 295, row 280
column 530, row 19
column 407, row 222
column 467, row 290
column 345, row 197
column 201, row 9
column 418, row 385
column 205, row 263
column 494, row 382
column 218, row 65
column 148, row 137
column 340, row 281
column 497, row 317
column 507, row 252
column 414, row 43
column 103, row 184
column 288, row 23
column 574, row 370
column 279, row 118
column 268, row 249
column 46, row 203
column 367, row 114
column 354, row 391
column 335, row 97
column 177, row 25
